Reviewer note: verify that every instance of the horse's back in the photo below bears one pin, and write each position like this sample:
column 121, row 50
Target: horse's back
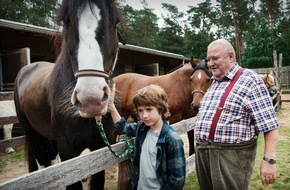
column 31, row 95
column 127, row 85
column 130, row 82
column 175, row 84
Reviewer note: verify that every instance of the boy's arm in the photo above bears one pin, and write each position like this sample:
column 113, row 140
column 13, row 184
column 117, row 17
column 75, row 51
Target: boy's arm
column 176, row 164
column 120, row 123
column 113, row 110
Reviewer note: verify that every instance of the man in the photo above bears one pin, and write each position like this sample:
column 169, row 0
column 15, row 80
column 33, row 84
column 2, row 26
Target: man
column 225, row 160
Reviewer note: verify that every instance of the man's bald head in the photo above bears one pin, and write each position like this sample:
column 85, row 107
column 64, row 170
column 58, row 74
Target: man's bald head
column 221, row 57
column 224, row 46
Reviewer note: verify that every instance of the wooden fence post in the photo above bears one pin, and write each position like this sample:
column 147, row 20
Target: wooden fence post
column 278, row 76
column 124, row 171
column 279, row 79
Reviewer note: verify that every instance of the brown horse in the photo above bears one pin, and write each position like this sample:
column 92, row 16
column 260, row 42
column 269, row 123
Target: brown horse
column 185, row 88
column 56, row 103
column 269, row 82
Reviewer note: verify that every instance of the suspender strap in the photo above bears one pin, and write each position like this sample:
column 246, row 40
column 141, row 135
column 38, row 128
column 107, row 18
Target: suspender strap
column 222, row 102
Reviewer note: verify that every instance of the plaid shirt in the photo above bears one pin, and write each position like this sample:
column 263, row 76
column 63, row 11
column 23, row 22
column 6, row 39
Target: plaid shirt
column 247, row 111
column 170, row 154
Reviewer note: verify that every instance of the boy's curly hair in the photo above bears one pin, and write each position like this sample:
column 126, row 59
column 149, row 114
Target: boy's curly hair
column 153, row 95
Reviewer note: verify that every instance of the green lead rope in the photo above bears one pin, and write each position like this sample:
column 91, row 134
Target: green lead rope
column 129, row 150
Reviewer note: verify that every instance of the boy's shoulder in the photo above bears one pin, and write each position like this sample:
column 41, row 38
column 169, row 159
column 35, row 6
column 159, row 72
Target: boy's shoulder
column 171, row 133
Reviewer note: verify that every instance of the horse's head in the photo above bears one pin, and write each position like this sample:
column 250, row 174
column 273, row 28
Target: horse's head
column 269, row 82
column 90, row 49
column 200, row 81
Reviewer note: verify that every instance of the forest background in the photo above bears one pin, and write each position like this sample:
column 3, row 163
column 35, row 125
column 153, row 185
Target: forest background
column 254, row 27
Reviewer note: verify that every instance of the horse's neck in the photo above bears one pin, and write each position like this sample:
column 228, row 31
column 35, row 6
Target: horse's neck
column 183, row 71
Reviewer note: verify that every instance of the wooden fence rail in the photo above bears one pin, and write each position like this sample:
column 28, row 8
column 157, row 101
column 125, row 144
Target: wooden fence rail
column 6, row 96
column 16, row 141
column 73, row 170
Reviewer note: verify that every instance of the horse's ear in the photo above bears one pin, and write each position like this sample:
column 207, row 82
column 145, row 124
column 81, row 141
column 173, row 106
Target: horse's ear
column 192, row 62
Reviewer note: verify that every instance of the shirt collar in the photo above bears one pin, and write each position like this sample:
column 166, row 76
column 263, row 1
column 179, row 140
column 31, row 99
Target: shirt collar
column 231, row 73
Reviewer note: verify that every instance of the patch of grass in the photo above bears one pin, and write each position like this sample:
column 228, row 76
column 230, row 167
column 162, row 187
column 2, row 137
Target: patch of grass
column 191, row 182
column 284, row 88
column 11, row 158
column 3, row 164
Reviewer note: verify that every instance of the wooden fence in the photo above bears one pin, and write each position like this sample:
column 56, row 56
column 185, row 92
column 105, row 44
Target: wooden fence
column 285, row 74
column 81, row 167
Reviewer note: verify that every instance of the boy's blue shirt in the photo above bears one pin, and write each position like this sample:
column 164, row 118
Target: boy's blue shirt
column 170, row 161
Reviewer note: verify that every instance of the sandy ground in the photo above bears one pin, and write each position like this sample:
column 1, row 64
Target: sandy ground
column 17, row 169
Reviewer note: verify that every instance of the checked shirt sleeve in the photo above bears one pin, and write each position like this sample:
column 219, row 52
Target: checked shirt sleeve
column 262, row 108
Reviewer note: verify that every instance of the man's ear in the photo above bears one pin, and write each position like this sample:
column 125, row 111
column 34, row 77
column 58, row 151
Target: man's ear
column 232, row 56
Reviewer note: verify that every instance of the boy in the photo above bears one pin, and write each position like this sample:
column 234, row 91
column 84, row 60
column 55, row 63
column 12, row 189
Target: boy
column 159, row 161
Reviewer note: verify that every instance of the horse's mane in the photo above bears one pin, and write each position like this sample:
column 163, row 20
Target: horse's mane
column 202, row 66
column 69, row 9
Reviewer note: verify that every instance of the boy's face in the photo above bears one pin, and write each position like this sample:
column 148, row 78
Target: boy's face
column 149, row 115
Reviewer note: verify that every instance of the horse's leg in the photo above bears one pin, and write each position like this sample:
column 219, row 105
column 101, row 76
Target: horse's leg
column 31, row 159
column 38, row 147
column 66, row 152
column 41, row 149
column 98, row 181
column 190, row 135
column 8, row 135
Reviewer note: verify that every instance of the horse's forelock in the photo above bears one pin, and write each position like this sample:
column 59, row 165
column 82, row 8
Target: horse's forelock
column 202, row 66
column 68, row 11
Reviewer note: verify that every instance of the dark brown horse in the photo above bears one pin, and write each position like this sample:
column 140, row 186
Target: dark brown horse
column 56, row 103
column 185, row 88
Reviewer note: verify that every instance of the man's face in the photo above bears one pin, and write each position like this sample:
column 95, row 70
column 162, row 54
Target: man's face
column 218, row 61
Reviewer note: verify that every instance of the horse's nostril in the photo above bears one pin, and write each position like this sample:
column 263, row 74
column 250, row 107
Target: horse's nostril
column 105, row 97
column 195, row 108
column 77, row 103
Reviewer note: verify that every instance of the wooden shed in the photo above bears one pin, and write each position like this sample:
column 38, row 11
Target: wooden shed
column 22, row 44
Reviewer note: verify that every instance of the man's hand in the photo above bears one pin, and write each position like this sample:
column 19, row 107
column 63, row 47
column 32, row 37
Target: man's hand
column 267, row 173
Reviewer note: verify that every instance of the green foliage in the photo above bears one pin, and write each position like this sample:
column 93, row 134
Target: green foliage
column 253, row 33
column 139, row 27
column 197, row 46
column 259, row 50
column 36, row 12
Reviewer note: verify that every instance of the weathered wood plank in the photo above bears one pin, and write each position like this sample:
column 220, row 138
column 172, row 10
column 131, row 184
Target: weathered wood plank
column 184, row 125
column 8, row 120
column 190, row 164
column 67, row 172
column 16, row 141
column 6, row 95
column 70, row 171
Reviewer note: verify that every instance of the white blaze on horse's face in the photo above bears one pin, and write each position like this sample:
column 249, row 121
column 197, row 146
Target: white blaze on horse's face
column 90, row 91
column 199, row 75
